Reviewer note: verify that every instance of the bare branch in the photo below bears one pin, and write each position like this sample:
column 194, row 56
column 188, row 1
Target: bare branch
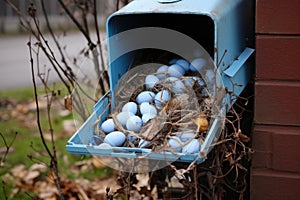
column 78, row 25
column 4, row 190
column 8, row 146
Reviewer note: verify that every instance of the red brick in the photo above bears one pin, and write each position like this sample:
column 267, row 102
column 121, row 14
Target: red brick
column 273, row 185
column 277, row 103
column 277, row 16
column 286, row 150
column 276, row 147
column 277, row 57
column 262, row 146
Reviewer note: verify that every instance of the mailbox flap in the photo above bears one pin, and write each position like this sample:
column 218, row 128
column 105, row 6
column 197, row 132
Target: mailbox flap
column 239, row 62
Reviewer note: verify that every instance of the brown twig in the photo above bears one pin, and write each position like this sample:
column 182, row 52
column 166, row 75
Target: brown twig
column 4, row 191
column 8, row 146
column 75, row 21
column 52, row 155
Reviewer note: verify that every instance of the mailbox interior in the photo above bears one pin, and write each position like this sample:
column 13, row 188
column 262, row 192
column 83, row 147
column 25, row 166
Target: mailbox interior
column 200, row 28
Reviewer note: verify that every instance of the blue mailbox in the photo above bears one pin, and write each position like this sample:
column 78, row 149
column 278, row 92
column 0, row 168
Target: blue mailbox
column 225, row 30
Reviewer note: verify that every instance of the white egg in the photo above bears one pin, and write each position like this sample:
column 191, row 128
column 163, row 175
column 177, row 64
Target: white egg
column 197, row 64
column 134, row 123
column 145, row 107
column 147, row 116
column 108, row 126
column 130, row 107
column 143, row 143
column 104, row 145
column 162, row 97
column 161, row 72
column 177, row 85
column 184, row 64
column 145, row 96
column 191, row 147
column 122, row 117
column 151, row 80
column 186, row 136
column 176, row 71
column 175, row 143
column 115, row 138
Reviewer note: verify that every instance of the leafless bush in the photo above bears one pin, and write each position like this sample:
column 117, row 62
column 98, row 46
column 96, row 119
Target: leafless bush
column 84, row 16
column 226, row 167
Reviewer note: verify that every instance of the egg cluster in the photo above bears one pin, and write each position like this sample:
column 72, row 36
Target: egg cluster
column 168, row 84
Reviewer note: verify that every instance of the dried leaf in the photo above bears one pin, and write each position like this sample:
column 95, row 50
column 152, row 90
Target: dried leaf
column 22, row 109
column 69, row 126
column 49, row 137
column 4, row 149
column 202, row 123
column 64, row 113
column 38, row 167
column 19, row 171
column 97, row 163
column 68, row 102
column 31, row 175
column 47, row 194
column 154, row 193
column 243, row 138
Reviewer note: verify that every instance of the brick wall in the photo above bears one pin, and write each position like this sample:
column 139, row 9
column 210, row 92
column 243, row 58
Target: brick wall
column 275, row 172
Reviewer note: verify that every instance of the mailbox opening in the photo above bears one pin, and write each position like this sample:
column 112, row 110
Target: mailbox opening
column 199, row 27
column 218, row 26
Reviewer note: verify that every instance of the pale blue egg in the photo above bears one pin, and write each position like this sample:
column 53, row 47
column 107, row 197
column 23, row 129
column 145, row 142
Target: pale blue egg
column 162, row 97
column 184, row 64
column 145, row 107
column 197, row 64
column 189, row 82
column 95, row 140
column 162, row 71
column 192, row 147
column 210, row 76
column 144, row 143
column 131, row 138
column 187, row 136
column 147, row 116
column 115, row 138
column 151, row 80
column 176, row 71
column 134, row 123
column 199, row 80
column 145, row 96
column 172, row 79
column 175, row 143
column 177, row 85
column 108, row 126
column 122, row 117
column 130, row 107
